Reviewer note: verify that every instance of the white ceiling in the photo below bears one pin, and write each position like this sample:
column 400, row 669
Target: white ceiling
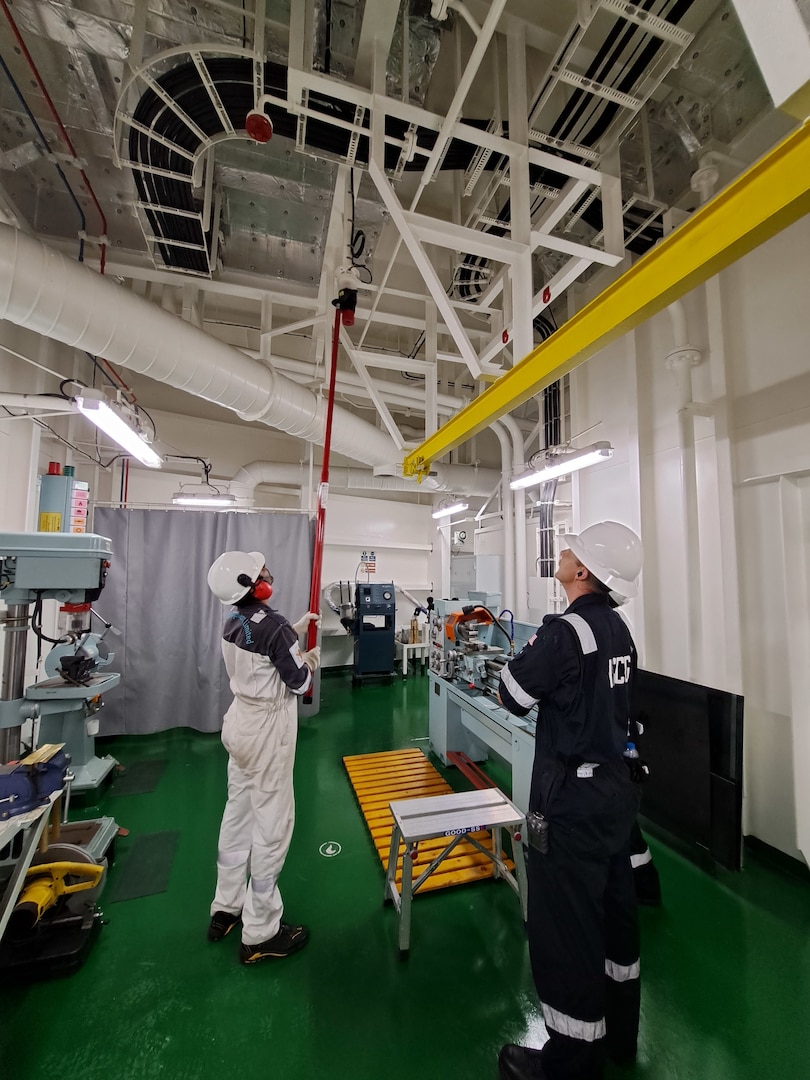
column 651, row 107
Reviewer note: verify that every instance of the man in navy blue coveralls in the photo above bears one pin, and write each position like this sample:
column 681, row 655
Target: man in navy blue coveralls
column 582, row 925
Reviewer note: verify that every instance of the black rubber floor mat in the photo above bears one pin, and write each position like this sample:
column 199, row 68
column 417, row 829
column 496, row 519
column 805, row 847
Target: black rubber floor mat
column 145, row 869
column 139, row 778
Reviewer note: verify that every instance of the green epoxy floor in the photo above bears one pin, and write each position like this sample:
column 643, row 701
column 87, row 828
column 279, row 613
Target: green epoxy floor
column 725, row 962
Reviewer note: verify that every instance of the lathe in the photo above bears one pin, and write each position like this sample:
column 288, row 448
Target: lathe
column 469, row 645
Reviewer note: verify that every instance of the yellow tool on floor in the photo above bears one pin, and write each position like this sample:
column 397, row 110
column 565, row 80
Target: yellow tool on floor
column 377, row 780
column 45, row 884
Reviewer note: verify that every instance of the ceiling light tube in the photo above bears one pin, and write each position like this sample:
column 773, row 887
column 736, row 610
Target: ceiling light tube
column 94, row 406
column 187, row 498
column 564, row 464
column 446, row 511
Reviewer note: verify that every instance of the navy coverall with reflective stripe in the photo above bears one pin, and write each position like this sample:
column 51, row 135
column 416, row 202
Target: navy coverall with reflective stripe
column 582, row 926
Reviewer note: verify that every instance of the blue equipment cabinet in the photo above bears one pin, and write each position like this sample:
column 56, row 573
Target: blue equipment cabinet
column 374, row 630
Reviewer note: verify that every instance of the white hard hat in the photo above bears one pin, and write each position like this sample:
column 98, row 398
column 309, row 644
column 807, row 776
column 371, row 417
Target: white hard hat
column 224, row 574
column 613, row 554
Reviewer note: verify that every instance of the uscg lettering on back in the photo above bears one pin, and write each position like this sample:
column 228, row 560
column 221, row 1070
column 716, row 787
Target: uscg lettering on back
column 618, row 670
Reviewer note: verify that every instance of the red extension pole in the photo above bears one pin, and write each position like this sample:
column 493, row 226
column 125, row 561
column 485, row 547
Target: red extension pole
column 323, row 495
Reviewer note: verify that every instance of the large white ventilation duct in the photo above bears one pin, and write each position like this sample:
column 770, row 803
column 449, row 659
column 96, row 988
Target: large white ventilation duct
column 45, row 291
column 461, row 479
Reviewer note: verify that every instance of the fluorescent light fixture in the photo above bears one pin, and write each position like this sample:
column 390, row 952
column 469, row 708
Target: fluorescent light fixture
column 93, row 405
column 184, row 497
column 446, row 511
column 563, row 464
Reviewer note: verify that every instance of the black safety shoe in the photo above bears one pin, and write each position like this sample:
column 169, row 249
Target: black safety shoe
column 519, row 1063
column 288, row 940
column 222, row 922
column 623, row 1056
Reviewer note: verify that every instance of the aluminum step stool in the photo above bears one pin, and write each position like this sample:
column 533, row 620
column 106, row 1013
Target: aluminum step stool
column 453, row 816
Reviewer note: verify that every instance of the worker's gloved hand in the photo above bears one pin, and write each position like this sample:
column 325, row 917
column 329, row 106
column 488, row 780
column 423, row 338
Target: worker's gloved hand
column 302, row 625
column 312, row 657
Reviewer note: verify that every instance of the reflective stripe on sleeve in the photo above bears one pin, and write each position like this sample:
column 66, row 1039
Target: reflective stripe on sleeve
column 524, row 700
column 586, row 1030
column 640, row 860
column 587, row 641
column 622, row 972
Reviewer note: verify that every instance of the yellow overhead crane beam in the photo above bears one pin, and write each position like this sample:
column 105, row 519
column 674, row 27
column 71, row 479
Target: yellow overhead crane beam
column 768, row 197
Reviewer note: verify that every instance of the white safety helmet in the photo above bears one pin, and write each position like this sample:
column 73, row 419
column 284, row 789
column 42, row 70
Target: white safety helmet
column 223, row 577
column 613, row 554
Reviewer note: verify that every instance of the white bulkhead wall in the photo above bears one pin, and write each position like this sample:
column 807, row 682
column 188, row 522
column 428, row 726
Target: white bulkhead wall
column 750, row 555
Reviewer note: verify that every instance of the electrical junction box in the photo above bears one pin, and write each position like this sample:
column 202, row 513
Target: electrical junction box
column 63, row 503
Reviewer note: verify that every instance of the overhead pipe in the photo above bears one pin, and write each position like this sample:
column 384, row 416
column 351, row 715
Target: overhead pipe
column 51, row 403
column 507, row 509
column 349, row 382
column 45, row 291
column 680, row 362
column 466, row 15
column 447, row 478
column 520, row 600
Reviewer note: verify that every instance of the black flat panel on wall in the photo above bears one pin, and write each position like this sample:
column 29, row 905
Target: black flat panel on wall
column 692, row 743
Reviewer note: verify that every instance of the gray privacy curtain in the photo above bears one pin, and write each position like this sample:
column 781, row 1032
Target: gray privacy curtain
column 168, row 654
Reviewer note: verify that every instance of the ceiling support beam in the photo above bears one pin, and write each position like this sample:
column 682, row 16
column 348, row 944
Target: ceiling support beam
column 425, row 267
column 772, row 194
column 334, row 254
column 520, row 274
column 445, row 234
column 457, row 104
column 564, row 277
column 382, row 409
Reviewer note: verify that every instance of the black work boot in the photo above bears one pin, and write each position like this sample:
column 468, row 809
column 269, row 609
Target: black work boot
column 222, row 922
column 288, row 940
column 519, row 1063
